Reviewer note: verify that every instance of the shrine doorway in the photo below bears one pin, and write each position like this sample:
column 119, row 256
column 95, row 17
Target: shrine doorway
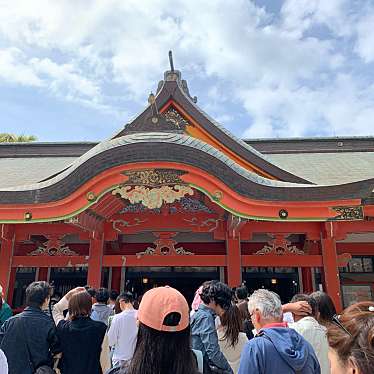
column 64, row 279
column 283, row 280
column 185, row 279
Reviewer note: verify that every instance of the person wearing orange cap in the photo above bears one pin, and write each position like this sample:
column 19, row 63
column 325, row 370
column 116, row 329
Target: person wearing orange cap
column 163, row 345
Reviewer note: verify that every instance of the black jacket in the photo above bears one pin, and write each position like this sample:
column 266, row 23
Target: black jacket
column 35, row 328
column 81, row 341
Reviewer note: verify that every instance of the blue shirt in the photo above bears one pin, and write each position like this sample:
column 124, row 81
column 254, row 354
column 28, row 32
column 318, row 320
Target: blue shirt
column 205, row 339
column 278, row 350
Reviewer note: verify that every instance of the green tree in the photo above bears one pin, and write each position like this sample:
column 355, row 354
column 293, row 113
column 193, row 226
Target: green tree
column 12, row 138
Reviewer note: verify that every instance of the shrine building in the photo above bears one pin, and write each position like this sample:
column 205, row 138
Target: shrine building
column 174, row 198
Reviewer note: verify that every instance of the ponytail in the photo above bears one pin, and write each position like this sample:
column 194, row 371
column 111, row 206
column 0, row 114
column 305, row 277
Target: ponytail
column 232, row 322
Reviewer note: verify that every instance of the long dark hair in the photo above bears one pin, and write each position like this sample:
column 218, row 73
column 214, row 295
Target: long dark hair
column 160, row 352
column 325, row 307
column 232, row 322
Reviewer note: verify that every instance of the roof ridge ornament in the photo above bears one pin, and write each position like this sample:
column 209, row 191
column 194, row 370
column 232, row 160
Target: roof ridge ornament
column 173, row 75
column 171, row 61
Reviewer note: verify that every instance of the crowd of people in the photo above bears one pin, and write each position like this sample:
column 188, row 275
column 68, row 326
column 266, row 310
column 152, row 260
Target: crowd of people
column 225, row 331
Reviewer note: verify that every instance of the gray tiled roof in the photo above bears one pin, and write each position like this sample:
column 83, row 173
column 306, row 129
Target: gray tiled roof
column 20, row 171
column 319, row 168
column 328, row 168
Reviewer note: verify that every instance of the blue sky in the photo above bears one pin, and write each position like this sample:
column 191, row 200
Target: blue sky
column 79, row 70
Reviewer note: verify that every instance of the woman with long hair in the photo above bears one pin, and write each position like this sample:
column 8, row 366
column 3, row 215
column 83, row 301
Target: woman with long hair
column 80, row 337
column 325, row 307
column 230, row 338
column 164, row 342
column 351, row 340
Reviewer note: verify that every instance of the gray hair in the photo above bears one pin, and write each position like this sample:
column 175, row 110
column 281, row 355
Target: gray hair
column 267, row 303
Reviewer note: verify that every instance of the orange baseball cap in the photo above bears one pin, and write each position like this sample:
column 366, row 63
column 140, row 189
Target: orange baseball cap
column 157, row 303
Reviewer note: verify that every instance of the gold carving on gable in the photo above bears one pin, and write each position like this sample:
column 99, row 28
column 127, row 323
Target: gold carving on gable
column 348, row 213
column 153, row 198
column 174, row 117
column 154, row 177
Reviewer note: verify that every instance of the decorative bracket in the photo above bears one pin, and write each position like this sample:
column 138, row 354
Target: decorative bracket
column 165, row 246
column 210, row 223
column 348, row 213
column 118, row 224
column 54, row 246
column 279, row 245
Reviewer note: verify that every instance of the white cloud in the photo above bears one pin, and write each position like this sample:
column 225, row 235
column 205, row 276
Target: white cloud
column 365, row 39
column 289, row 76
column 298, row 16
column 14, row 68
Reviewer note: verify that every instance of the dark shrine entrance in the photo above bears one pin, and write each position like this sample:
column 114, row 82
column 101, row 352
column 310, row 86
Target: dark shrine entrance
column 283, row 281
column 185, row 279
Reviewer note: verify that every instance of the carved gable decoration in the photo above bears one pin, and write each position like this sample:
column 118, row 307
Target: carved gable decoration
column 169, row 121
column 174, row 117
column 154, row 177
column 279, row 245
column 348, row 213
column 184, row 205
column 153, row 187
column 153, row 198
column 54, row 246
column 165, row 245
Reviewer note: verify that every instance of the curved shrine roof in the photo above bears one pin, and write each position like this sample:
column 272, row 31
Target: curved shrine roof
column 180, row 149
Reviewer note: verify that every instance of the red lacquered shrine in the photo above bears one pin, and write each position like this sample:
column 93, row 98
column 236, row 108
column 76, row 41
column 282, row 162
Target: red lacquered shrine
column 174, row 198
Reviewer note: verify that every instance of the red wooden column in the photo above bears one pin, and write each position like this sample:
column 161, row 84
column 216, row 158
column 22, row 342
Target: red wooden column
column 307, row 280
column 234, row 266
column 116, row 278
column 43, row 274
column 95, row 260
column 330, row 265
column 12, row 283
column 6, row 255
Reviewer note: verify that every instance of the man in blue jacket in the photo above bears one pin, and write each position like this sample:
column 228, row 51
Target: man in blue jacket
column 276, row 348
column 216, row 298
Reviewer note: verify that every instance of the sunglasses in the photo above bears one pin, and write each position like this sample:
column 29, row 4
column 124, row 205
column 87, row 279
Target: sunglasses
column 336, row 320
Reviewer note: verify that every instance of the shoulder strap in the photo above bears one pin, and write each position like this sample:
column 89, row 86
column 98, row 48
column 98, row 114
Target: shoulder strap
column 22, row 323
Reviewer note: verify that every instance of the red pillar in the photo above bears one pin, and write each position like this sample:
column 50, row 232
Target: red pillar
column 330, row 266
column 233, row 255
column 95, row 261
column 43, row 274
column 6, row 255
column 12, row 283
column 307, row 280
column 116, row 278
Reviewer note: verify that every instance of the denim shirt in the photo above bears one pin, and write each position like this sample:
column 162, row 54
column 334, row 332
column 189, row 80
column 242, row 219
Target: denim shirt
column 205, row 339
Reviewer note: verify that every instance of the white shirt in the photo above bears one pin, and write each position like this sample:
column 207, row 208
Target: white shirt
column 315, row 334
column 3, row 363
column 122, row 335
column 231, row 353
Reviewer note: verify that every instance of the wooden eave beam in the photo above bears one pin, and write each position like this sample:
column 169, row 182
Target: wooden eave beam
column 312, row 230
column 24, row 231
